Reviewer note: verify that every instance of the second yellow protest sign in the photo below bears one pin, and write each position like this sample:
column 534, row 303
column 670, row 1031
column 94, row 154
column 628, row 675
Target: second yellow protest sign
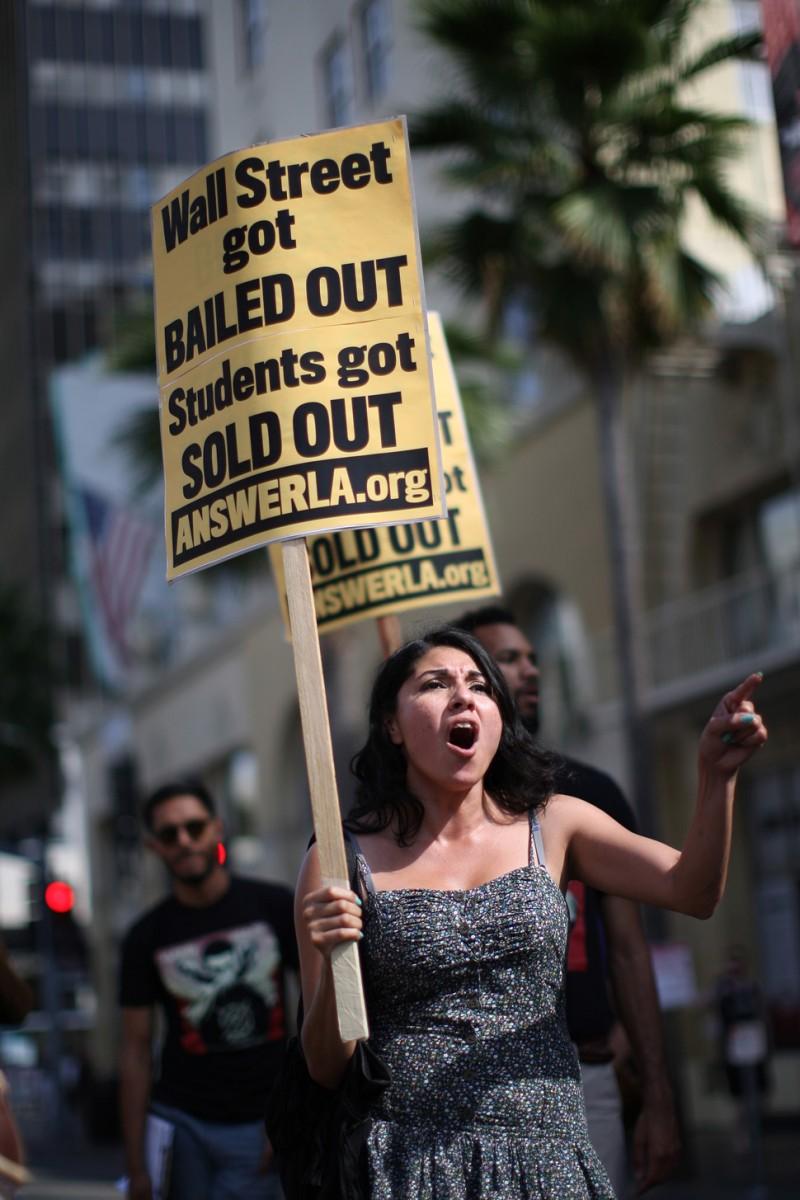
column 360, row 573
column 295, row 391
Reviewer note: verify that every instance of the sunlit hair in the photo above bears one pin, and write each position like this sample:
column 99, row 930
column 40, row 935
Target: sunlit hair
column 519, row 778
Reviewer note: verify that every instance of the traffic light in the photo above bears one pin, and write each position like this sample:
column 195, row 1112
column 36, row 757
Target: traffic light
column 68, row 942
column 59, row 896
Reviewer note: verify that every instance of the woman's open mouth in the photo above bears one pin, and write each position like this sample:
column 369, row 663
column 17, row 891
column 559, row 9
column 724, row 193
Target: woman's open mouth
column 462, row 735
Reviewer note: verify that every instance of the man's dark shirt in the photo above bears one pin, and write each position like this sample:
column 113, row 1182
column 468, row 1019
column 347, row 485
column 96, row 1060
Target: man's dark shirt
column 590, row 1015
column 218, row 974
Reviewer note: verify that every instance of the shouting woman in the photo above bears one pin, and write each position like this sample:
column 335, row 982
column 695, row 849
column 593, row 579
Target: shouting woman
column 464, row 855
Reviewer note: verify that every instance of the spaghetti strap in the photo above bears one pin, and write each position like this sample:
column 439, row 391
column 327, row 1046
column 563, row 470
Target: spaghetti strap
column 536, row 852
column 362, row 866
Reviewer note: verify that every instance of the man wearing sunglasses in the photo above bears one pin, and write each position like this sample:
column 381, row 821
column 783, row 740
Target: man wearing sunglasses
column 212, row 957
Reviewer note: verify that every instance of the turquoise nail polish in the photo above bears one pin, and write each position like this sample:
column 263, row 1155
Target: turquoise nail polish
column 746, row 719
column 727, row 738
column 359, row 902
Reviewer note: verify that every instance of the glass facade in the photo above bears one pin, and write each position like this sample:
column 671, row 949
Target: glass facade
column 124, row 134
column 116, row 114
column 338, row 82
column 253, row 21
column 122, row 36
column 376, row 44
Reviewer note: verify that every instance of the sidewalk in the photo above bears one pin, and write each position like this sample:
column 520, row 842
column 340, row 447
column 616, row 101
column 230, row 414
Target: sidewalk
column 69, row 1168
column 75, row 1171
column 62, row 1189
column 89, row 1174
column 720, row 1174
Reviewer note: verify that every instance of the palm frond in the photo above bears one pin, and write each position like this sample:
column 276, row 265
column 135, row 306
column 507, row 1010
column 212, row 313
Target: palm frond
column 139, row 438
column 133, row 344
column 487, row 417
column 594, row 225
column 636, row 212
column 452, row 124
column 680, row 288
column 463, row 26
column 741, row 46
column 582, row 150
column 467, row 347
column 568, row 304
column 671, row 26
column 726, row 208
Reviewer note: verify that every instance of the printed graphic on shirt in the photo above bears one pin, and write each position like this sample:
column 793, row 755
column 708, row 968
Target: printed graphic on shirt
column 577, row 955
column 226, row 987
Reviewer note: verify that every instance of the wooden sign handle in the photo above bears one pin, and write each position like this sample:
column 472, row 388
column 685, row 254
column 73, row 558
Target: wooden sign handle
column 350, row 1007
column 390, row 633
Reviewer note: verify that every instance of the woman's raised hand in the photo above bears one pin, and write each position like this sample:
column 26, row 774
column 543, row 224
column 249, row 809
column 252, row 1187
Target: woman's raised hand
column 332, row 916
column 735, row 730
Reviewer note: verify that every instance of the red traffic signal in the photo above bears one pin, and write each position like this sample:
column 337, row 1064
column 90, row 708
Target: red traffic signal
column 59, row 897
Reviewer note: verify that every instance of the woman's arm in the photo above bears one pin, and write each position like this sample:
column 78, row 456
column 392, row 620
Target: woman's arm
column 614, row 860
column 325, row 917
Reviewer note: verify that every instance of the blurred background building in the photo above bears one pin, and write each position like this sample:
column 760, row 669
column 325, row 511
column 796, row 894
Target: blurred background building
column 117, row 101
column 104, row 108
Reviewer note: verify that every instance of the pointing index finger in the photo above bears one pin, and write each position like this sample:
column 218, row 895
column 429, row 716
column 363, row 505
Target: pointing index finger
column 744, row 690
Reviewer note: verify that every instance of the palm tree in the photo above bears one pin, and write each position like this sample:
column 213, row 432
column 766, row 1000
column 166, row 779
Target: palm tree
column 133, row 348
column 573, row 131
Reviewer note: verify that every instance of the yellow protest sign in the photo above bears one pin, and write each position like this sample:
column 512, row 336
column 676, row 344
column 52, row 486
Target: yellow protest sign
column 295, row 390
column 360, row 573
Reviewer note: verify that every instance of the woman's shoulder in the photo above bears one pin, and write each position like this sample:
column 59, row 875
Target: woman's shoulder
column 562, row 808
column 562, row 800
column 375, row 844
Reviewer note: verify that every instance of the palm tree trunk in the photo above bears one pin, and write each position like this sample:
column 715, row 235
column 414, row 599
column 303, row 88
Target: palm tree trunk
column 625, row 601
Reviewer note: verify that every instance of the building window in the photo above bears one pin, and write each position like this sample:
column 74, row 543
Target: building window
column 376, row 44
column 754, row 79
column 253, row 19
column 764, row 536
column 759, row 553
column 123, row 35
column 338, row 82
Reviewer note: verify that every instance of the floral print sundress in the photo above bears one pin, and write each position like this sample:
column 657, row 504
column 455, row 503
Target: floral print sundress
column 465, row 995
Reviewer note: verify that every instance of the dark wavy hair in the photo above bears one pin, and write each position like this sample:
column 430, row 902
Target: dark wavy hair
column 519, row 778
column 168, row 791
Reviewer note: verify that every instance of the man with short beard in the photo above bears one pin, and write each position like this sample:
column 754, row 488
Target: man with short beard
column 212, row 957
column 607, row 946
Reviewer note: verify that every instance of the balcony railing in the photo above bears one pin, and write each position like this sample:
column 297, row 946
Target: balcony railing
column 747, row 623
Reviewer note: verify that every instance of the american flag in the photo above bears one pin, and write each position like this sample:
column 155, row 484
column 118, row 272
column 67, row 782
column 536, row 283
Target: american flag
column 120, row 545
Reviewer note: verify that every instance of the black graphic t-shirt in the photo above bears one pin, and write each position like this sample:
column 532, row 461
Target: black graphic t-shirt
column 218, row 974
column 590, row 1015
